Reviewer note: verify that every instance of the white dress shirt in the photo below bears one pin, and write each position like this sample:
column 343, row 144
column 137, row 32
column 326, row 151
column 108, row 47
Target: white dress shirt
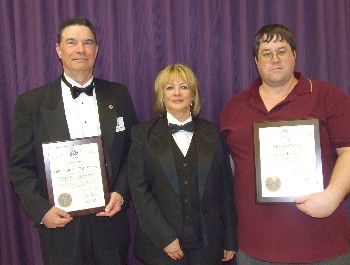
column 182, row 138
column 81, row 113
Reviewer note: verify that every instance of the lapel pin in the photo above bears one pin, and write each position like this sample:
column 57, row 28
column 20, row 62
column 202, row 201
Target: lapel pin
column 110, row 106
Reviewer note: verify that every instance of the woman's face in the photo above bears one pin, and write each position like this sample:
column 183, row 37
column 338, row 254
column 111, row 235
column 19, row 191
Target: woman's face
column 177, row 97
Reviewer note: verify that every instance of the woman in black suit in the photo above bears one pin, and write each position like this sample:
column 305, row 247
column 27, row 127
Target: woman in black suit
column 181, row 180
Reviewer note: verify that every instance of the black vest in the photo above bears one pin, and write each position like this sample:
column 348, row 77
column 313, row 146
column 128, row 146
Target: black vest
column 187, row 172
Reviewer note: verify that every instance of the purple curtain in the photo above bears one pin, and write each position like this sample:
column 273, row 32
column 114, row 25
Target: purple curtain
column 137, row 38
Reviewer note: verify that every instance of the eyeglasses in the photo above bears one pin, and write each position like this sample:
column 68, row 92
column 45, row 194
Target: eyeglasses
column 281, row 53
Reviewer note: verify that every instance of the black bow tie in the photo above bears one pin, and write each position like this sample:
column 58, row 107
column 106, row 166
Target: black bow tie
column 76, row 91
column 174, row 128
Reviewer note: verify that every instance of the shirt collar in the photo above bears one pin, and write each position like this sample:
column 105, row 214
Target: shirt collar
column 302, row 87
column 172, row 119
column 74, row 83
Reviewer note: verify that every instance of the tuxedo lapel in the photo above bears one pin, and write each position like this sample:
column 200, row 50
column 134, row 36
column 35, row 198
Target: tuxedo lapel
column 205, row 151
column 55, row 118
column 108, row 113
column 53, row 113
column 160, row 141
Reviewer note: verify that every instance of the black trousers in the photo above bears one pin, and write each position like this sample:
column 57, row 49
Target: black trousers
column 193, row 256
column 58, row 247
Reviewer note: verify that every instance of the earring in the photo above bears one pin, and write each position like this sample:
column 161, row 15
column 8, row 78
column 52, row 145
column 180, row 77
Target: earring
column 192, row 105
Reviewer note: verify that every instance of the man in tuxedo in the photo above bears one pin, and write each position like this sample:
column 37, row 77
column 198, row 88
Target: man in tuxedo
column 76, row 105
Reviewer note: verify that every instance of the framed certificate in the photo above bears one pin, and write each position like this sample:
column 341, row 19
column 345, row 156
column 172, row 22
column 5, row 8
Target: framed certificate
column 76, row 175
column 287, row 160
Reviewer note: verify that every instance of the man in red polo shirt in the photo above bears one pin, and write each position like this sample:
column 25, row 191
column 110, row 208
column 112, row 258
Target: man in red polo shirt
column 315, row 228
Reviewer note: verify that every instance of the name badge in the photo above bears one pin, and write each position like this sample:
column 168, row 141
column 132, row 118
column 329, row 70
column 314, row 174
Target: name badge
column 120, row 125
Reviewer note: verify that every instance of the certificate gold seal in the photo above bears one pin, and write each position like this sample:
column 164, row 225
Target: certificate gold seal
column 273, row 184
column 64, row 199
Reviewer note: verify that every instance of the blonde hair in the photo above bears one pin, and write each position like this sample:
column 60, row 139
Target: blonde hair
column 169, row 73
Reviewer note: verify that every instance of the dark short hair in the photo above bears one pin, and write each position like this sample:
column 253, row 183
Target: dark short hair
column 81, row 21
column 268, row 32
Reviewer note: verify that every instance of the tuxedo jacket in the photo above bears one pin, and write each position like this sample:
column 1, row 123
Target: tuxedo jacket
column 155, row 190
column 39, row 117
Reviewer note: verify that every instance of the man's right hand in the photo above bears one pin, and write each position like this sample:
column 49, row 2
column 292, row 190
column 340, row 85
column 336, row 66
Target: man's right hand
column 56, row 217
column 174, row 250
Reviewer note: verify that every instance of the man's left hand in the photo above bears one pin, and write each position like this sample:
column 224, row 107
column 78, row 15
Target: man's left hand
column 319, row 205
column 114, row 205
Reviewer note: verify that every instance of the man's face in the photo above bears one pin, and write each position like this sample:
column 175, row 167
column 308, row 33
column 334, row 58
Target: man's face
column 77, row 50
column 275, row 62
